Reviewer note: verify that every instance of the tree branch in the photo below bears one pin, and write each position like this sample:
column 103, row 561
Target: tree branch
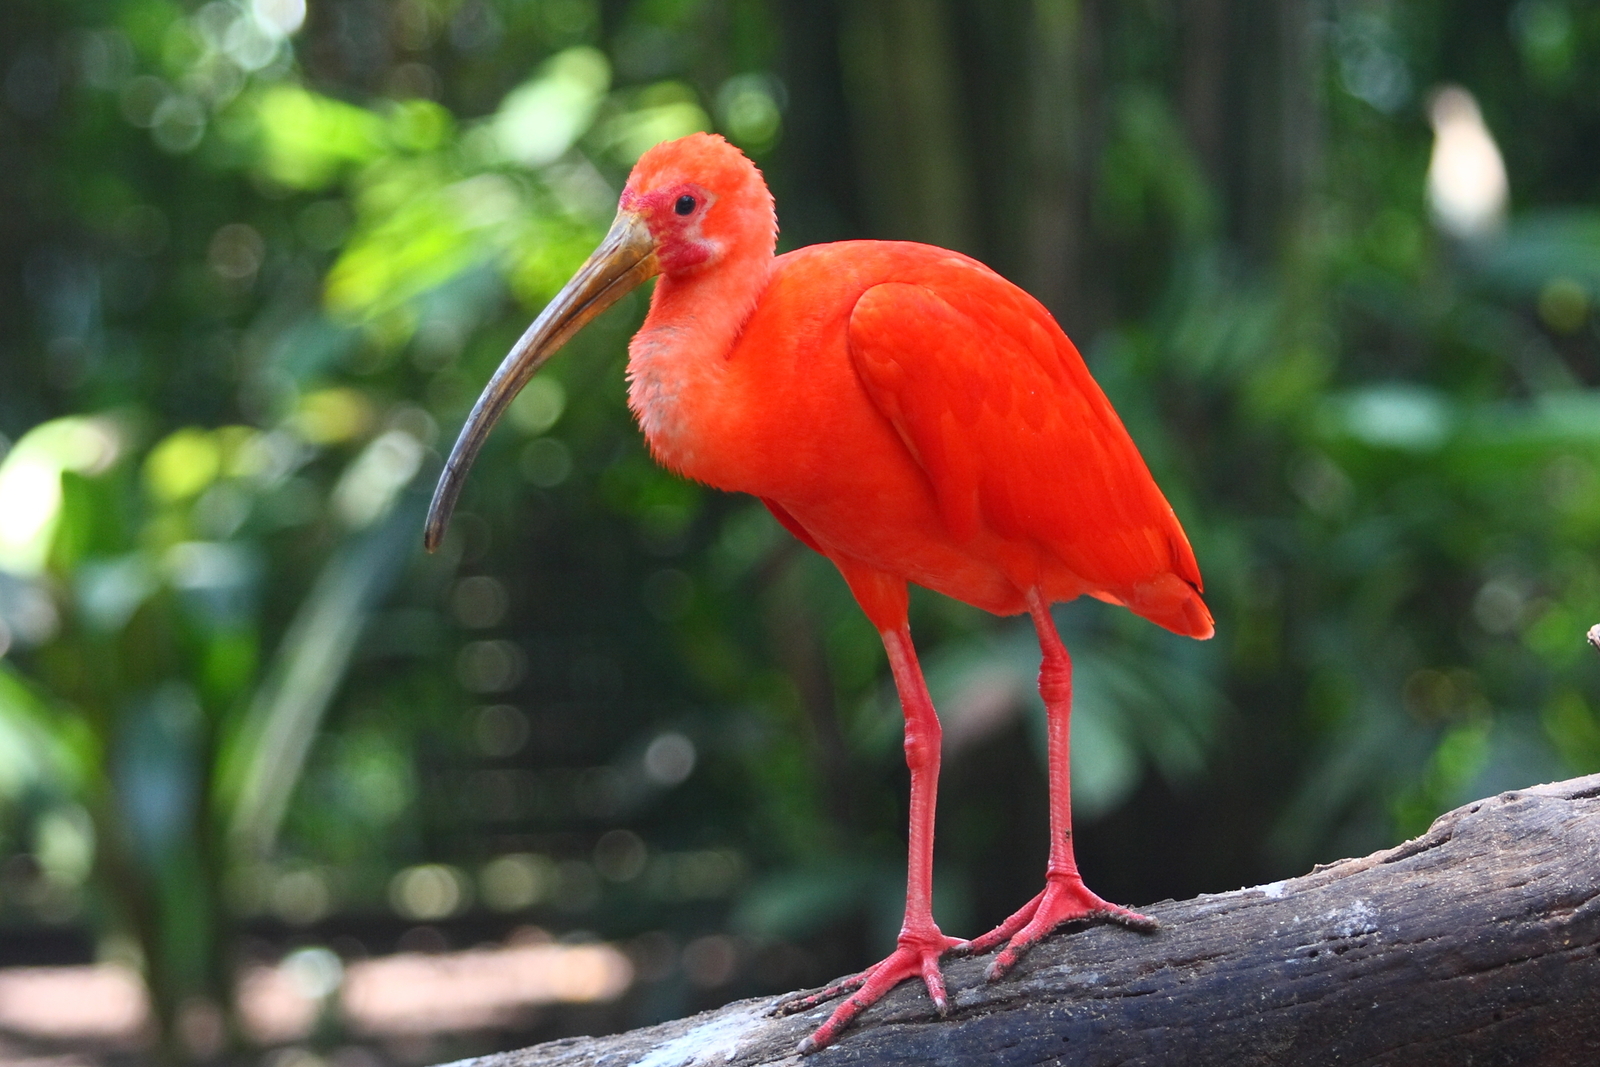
column 1478, row 942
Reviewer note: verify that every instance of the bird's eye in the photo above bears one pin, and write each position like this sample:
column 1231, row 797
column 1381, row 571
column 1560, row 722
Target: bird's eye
column 685, row 204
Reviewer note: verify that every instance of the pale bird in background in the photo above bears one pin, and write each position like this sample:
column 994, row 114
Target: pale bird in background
column 1467, row 188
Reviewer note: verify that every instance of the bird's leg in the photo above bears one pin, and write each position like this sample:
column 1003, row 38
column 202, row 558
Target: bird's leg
column 921, row 943
column 1065, row 898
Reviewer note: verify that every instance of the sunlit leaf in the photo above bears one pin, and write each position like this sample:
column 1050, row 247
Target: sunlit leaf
column 538, row 121
column 182, row 465
column 308, row 140
column 30, row 483
column 661, row 112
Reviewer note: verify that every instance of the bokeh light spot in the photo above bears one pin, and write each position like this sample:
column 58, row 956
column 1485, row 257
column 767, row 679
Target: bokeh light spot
column 620, row 855
column 1564, row 304
column 330, row 416
column 479, row 601
column 236, row 251
column 427, row 892
column 538, row 407
column 750, row 109
column 301, row 897
column 182, row 465
column 545, row 462
column 517, row 881
column 669, row 759
column 490, row 666
column 500, row 730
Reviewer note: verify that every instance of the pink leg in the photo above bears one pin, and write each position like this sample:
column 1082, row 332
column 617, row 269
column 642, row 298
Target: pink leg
column 921, row 943
column 1065, row 898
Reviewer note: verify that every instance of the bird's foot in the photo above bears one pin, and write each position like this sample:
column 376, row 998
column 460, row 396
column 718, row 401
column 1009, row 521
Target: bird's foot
column 918, row 955
column 1064, row 899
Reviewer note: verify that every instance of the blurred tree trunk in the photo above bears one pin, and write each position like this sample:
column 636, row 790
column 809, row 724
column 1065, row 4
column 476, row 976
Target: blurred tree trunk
column 980, row 127
column 814, row 179
column 1249, row 104
column 1202, row 89
column 901, row 76
column 909, row 121
column 1060, row 150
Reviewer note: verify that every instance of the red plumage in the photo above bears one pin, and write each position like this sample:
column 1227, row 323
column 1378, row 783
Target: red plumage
column 920, row 381
column 911, row 415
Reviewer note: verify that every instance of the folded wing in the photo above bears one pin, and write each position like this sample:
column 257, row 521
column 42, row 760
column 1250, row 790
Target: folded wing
column 1017, row 439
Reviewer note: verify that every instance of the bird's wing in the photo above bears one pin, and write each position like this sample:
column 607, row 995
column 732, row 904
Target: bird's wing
column 1016, row 438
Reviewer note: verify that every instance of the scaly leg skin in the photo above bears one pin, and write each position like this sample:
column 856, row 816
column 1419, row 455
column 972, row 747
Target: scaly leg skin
column 1065, row 898
column 921, row 943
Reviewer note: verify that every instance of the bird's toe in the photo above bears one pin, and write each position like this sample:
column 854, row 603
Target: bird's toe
column 917, row 956
column 1065, row 899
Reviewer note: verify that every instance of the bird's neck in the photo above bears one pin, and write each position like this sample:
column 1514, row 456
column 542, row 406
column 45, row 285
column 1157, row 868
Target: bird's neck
column 679, row 361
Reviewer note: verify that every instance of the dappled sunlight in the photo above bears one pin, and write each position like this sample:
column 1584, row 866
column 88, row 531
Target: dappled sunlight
column 103, row 1002
column 539, row 121
column 414, row 993
column 30, row 484
column 405, row 994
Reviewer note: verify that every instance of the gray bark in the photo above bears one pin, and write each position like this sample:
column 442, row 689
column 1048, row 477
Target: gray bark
column 1477, row 943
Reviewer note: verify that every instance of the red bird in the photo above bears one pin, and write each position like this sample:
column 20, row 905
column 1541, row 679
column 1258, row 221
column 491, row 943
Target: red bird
column 909, row 414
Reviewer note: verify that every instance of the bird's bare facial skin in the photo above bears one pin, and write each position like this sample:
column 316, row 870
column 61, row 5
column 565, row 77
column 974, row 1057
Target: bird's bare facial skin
column 676, row 214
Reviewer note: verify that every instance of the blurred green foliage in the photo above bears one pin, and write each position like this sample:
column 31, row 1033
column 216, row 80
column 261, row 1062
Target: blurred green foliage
column 258, row 256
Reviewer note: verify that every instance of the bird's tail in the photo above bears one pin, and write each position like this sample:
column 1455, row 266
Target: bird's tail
column 1167, row 600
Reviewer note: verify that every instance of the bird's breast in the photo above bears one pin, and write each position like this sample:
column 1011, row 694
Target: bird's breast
column 657, row 386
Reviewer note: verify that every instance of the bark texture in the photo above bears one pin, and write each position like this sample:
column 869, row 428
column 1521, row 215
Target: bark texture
column 1477, row 943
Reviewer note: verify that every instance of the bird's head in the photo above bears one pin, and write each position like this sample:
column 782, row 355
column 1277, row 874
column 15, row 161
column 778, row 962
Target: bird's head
column 689, row 204
column 701, row 199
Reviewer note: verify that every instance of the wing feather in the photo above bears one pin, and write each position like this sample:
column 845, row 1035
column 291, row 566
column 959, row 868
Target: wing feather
column 1014, row 435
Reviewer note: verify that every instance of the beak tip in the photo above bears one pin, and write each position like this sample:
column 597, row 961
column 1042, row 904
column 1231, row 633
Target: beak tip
column 432, row 534
column 433, row 528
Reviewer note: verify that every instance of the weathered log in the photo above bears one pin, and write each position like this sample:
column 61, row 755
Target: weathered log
column 1476, row 943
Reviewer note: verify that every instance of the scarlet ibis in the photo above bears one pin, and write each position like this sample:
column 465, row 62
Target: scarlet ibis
column 909, row 414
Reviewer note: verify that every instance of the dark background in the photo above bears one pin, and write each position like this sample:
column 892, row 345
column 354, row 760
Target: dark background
column 253, row 272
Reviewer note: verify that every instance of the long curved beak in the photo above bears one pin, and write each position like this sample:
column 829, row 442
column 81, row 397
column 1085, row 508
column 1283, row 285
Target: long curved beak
column 622, row 262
